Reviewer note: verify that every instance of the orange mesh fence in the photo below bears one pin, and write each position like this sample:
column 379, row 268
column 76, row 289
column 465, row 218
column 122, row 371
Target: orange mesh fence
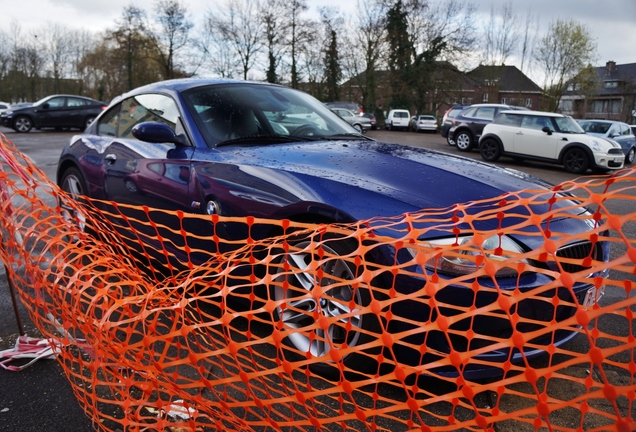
column 162, row 321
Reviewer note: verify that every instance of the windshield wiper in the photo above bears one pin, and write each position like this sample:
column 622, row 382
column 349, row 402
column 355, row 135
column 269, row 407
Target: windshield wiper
column 264, row 139
column 346, row 136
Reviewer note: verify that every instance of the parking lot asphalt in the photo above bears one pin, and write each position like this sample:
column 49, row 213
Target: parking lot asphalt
column 39, row 398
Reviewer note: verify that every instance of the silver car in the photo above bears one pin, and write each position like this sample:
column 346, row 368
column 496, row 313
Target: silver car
column 424, row 123
column 361, row 124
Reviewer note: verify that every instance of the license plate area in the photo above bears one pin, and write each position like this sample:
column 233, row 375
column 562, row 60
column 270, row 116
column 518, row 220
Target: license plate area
column 592, row 296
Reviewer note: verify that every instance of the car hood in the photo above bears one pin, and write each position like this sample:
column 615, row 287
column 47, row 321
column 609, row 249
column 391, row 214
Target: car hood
column 396, row 178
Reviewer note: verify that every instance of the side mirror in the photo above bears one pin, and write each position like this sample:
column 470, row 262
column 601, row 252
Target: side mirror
column 156, row 132
column 45, row 105
column 547, row 130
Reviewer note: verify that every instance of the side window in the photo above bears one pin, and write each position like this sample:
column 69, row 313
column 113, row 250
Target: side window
column 145, row 108
column 74, row 102
column 485, row 113
column 625, row 130
column 508, row 119
column 471, row 113
column 56, row 102
column 613, row 130
column 535, row 122
column 107, row 125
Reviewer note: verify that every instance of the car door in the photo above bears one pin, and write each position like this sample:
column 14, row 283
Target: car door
column 531, row 140
column 52, row 113
column 74, row 113
column 153, row 174
column 622, row 134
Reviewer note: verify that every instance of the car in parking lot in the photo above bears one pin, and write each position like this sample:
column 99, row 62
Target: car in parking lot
column 614, row 130
column 354, row 107
column 548, row 137
column 398, row 119
column 4, row 106
column 447, row 121
column 372, row 119
column 422, row 123
column 467, row 126
column 241, row 149
column 56, row 111
column 359, row 123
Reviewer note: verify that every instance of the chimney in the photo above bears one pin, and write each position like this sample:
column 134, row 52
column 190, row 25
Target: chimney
column 610, row 67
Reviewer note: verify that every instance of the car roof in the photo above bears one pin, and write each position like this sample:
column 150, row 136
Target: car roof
column 537, row 113
column 600, row 121
column 183, row 84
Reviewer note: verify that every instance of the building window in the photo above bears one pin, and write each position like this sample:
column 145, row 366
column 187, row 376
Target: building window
column 470, row 101
column 611, row 84
column 485, row 98
column 463, row 101
column 529, row 103
column 504, row 101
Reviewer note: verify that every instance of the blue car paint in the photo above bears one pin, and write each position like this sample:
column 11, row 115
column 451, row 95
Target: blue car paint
column 330, row 180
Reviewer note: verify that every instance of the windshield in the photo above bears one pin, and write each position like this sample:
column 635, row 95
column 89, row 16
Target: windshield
column 568, row 125
column 229, row 112
column 595, row 127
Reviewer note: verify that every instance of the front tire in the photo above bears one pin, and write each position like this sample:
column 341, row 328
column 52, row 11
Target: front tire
column 576, row 161
column 22, row 124
column 464, row 141
column 298, row 310
column 490, row 150
column 73, row 183
column 629, row 157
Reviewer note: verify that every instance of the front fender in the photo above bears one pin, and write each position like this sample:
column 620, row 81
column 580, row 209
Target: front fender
column 579, row 145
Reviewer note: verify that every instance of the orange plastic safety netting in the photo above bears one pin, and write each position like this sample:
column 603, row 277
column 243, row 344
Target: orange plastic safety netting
column 162, row 323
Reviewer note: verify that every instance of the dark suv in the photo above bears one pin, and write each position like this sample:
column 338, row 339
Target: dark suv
column 467, row 126
column 447, row 120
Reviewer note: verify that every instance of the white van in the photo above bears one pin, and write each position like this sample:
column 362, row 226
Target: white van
column 398, row 119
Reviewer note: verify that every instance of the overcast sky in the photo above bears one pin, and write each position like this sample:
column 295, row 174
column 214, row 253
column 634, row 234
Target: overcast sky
column 611, row 22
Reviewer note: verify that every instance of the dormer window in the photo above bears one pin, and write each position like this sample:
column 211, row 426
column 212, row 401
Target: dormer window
column 610, row 84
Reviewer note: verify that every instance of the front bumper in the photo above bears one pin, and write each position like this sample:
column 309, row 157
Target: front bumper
column 609, row 160
column 5, row 121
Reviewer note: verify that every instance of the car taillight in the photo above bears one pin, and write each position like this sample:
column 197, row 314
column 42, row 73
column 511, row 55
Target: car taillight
column 104, row 107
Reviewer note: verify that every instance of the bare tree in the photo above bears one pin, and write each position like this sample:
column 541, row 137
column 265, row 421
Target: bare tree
column 275, row 25
column 309, row 59
column 527, row 45
column 171, row 36
column 238, row 24
column 363, row 50
column 131, row 44
column 332, row 27
column 501, row 35
column 436, row 34
column 57, row 45
column 298, row 35
column 563, row 52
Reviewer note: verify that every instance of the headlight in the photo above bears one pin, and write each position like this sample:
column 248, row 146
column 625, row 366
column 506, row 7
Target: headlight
column 463, row 256
column 596, row 146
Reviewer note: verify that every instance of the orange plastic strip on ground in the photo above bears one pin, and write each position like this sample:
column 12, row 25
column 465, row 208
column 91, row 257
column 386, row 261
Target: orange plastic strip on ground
column 159, row 327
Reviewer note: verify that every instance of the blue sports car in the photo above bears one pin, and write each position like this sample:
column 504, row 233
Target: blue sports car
column 238, row 149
